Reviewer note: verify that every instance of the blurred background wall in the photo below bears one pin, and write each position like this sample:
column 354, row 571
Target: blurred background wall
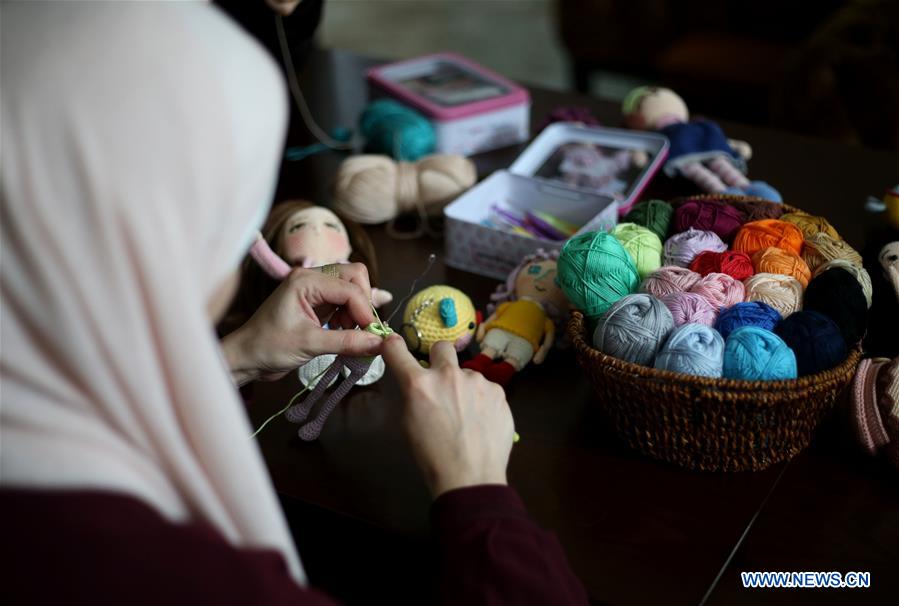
column 825, row 68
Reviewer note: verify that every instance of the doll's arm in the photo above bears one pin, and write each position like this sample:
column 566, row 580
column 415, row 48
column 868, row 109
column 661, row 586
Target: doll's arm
column 549, row 336
column 268, row 260
column 380, row 297
column 741, row 147
column 482, row 327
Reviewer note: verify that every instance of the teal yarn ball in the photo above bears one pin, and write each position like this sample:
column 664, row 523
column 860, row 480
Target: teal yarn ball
column 693, row 349
column 399, row 131
column 633, row 329
column 756, row 354
column 594, row 271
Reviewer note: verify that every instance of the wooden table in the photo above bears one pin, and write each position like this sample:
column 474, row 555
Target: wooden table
column 636, row 531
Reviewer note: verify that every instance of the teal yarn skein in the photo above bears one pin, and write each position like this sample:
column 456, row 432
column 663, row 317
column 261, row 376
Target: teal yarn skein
column 633, row 329
column 755, row 354
column 392, row 128
column 595, row 271
column 693, row 349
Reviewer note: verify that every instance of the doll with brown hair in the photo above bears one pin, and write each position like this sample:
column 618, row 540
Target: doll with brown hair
column 301, row 234
column 298, row 233
column 522, row 328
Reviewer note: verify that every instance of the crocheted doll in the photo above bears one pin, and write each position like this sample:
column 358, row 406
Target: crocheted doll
column 311, row 236
column 699, row 150
column 438, row 313
column 521, row 328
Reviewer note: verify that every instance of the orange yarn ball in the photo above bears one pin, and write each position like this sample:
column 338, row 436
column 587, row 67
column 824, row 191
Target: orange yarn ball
column 776, row 261
column 766, row 233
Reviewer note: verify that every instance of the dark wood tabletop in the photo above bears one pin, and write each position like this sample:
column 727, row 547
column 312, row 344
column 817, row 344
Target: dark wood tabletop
column 636, row 531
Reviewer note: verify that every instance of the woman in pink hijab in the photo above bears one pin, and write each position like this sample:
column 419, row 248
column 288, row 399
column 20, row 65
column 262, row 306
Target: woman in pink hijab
column 139, row 142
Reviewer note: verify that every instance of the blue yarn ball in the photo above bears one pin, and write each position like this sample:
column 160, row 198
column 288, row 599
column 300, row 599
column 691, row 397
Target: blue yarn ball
column 756, row 354
column 815, row 339
column 753, row 313
column 394, row 129
column 758, row 189
column 693, row 349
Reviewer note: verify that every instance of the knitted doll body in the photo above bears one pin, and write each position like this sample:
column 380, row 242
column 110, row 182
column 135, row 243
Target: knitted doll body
column 698, row 141
column 517, row 330
column 521, row 328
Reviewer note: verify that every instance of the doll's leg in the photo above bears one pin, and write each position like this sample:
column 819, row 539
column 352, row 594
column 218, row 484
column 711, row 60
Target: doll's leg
column 299, row 412
column 358, row 367
column 703, row 177
column 728, row 172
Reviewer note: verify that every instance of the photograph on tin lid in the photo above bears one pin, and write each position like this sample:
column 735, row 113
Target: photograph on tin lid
column 450, row 85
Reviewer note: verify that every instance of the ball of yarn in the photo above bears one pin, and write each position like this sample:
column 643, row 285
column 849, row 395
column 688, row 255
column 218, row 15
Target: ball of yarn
column 838, row 295
column 737, row 265
column 783, row 293
column 756, row 210
column 682, row 248
column 756, row 354
column 397, row 130
column 693, row 349
column 720, row 290
column 373, row 189
column 821, row 248
column 708, row 215
column 633, row 328
column 690, row 308
column 594, row 271
column 643, row 245
column 810, row 225
column 751, row 313
column 669, row 279
column 815, row 339
column 757, row 235
column 778, row 261
column 861, row 275
column 653, row 214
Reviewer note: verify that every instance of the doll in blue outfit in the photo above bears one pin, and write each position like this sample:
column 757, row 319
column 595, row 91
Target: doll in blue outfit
column 699, row 150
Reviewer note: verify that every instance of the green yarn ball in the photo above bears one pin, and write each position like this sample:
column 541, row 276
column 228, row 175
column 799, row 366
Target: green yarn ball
column 653, row 214
column 594, row 271
column 643, row 244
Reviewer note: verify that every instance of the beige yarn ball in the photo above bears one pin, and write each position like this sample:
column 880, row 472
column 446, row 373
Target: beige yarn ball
column 373, row 189
column 783, row 293
column 820, row 248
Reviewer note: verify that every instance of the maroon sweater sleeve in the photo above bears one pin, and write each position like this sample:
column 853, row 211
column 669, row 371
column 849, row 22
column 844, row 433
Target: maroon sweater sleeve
column 493, row 554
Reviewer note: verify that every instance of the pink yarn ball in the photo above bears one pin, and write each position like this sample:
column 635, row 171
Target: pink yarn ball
column 721, row 290
column 669, row 279
column 682, row 248
column 690, row 308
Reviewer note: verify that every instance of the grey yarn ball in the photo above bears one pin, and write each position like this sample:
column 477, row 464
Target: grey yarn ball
column 633, row 328
column 693, row 349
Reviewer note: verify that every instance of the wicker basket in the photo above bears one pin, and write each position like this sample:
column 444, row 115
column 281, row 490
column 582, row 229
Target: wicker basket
column 705, row 423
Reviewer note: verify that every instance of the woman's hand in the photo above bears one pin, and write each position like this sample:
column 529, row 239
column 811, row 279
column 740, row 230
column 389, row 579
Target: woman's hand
column 458, row 423
column 286, row 331
column 283, row 7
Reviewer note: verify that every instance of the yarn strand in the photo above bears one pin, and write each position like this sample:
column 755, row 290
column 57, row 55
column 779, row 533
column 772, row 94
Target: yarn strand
column 289, row 404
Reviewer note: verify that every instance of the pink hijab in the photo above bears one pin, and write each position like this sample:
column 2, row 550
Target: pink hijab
column 140, row 148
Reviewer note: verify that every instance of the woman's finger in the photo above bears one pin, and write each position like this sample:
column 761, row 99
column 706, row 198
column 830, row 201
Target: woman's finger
column 343, row 342
column 400, row 360
column 444, row 354
column 354, row 273
column 320, row 290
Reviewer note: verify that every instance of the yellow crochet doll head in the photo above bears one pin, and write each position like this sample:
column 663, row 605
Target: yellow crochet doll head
column 438, row 313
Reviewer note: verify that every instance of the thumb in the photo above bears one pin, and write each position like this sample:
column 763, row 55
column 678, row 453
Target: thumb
column 399, row 358
column 345, row 342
